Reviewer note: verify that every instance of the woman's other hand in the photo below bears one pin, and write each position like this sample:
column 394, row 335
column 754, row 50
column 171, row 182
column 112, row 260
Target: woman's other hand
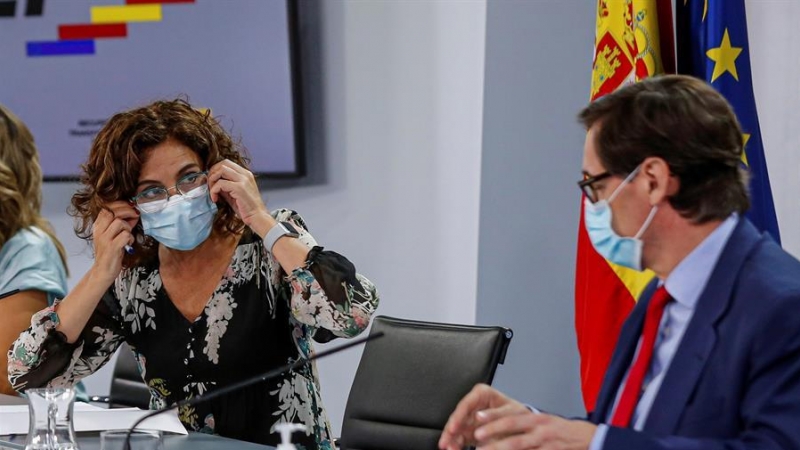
column 111, row 232
column 238, row 187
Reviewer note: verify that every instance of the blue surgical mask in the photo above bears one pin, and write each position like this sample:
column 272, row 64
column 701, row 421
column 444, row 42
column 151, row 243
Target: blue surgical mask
column 623, row 251
column 184, row 223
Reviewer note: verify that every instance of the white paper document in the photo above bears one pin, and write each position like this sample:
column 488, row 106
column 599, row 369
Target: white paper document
column 14, row 419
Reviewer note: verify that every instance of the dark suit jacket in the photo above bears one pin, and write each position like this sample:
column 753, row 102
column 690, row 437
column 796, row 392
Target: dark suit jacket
column 734, row 382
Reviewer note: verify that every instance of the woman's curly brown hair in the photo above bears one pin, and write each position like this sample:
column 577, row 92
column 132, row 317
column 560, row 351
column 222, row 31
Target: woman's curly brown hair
column 112, row 170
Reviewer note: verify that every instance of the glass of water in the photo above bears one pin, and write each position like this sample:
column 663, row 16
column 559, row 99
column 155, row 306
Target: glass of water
column 139, row 440
column 50, row 423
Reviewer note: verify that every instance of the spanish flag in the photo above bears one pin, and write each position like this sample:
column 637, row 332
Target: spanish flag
column 633, row 41
column 713, row 45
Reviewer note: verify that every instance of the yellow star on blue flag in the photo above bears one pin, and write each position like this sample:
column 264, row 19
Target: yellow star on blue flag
column 713, row 45
column 724, row 58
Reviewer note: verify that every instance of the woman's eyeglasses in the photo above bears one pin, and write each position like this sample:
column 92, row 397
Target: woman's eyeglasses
column 155, row 199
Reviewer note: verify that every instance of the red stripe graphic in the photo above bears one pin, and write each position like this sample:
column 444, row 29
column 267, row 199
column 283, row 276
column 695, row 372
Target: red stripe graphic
column 144, row 2
column 92, row 31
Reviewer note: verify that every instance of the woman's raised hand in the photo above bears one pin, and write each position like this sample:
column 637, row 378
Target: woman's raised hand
column 238, row 187
column 111, row 232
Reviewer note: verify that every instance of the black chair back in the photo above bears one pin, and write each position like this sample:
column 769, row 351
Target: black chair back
column 127, row 386
column 410, row 380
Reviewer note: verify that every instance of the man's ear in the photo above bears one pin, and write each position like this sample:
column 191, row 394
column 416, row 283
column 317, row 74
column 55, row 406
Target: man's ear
column 661, row 182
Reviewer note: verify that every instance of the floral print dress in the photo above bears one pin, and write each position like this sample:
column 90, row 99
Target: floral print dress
column 257, row 319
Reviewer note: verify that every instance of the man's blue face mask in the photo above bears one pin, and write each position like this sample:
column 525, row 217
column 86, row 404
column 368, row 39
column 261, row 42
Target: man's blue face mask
column 184, row 223
column 623, row 251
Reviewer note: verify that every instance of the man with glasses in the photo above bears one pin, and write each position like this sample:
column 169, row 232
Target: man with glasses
column 710, row 356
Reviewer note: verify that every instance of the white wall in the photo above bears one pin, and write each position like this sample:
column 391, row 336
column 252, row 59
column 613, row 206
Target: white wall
column 532, row 149
column 774, row 43
column 396, row 114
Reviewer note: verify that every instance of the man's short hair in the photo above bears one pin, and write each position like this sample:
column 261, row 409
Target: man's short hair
column 688, row 124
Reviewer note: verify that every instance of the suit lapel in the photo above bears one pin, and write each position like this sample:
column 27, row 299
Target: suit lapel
column 623, row 354
column 700, row 337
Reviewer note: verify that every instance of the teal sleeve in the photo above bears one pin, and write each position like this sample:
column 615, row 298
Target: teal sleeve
column 30, row 261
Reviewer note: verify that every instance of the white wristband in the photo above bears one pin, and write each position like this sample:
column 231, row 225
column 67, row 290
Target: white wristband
column 278, row 231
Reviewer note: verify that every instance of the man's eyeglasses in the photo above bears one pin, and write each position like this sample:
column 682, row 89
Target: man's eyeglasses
column 155, row 199
column 587, row 185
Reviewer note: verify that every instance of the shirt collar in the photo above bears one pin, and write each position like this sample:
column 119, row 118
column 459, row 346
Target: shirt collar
column 690, row 276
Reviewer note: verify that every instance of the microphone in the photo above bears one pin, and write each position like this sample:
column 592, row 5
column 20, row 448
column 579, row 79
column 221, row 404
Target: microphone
column 249, row 382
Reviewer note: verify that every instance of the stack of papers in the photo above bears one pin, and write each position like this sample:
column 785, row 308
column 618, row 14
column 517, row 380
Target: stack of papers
column 14, row 419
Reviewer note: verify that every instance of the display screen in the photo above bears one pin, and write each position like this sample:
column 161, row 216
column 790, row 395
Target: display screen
column 68, row 65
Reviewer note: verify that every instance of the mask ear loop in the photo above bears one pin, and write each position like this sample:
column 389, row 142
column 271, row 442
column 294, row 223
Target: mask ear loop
column 646, row 223
column 627, row 180
column 649, row 218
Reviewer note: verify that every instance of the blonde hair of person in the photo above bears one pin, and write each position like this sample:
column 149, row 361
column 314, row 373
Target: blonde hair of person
column 20, row 182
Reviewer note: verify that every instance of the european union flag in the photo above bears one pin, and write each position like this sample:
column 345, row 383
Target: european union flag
column 712, row 45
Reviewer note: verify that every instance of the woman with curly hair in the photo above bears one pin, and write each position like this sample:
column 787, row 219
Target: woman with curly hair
column 204, row 283
column 32, row 260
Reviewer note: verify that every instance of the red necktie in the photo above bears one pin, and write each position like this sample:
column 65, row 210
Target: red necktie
column 633, row 385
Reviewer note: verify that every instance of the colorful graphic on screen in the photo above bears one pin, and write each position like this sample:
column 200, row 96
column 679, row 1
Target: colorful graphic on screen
column 69, row 65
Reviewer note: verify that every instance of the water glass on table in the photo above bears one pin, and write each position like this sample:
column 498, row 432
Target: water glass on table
column 50, row 419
